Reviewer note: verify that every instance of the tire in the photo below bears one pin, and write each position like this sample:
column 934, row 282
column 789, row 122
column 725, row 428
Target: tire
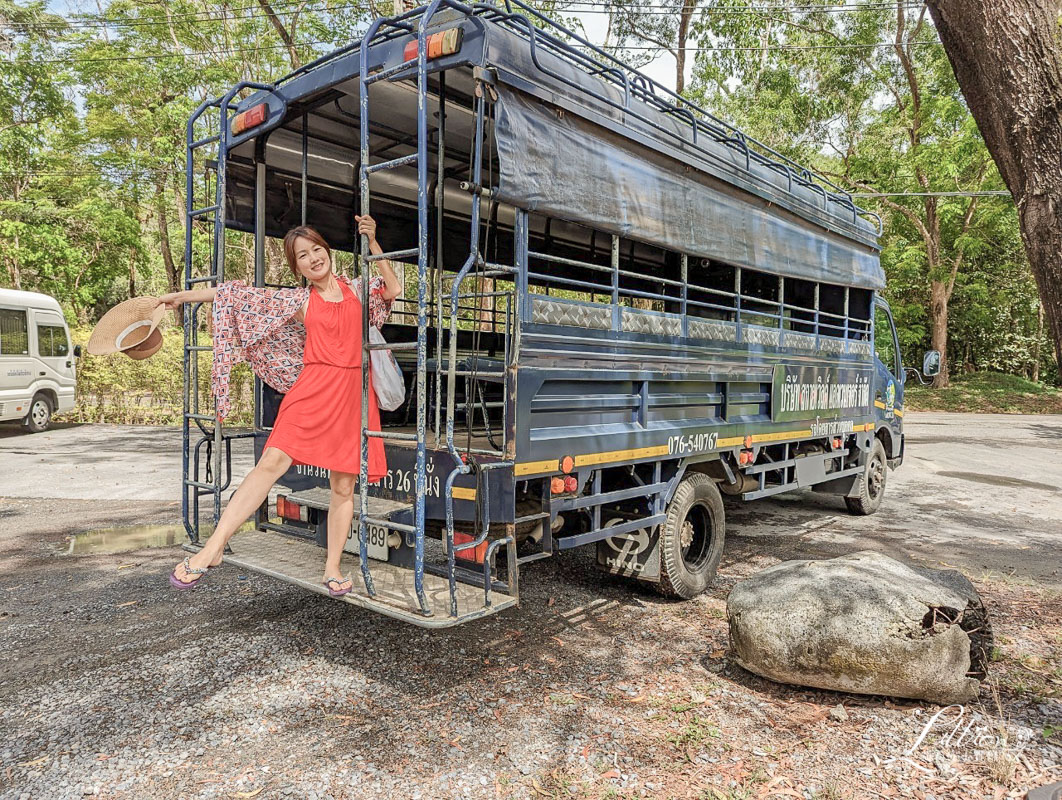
column 39, row 416
column 695, row 514
column 871, row 486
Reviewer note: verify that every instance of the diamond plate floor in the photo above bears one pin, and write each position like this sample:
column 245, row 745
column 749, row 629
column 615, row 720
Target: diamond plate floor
column 302, row 563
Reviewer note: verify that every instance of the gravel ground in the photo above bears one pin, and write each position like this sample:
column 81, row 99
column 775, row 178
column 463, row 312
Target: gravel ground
column 115, row 686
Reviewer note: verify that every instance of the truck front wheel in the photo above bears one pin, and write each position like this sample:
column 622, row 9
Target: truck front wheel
column 691, row 539
column 871, row 486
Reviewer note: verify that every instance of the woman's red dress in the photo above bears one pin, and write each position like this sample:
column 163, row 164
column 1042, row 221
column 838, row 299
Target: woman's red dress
column 319, row 419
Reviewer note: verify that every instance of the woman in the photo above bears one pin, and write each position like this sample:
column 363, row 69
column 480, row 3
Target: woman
column 320, row 417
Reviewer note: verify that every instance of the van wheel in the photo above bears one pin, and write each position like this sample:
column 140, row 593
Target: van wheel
column 40, row 414
column 871, row 484
column 691, row 539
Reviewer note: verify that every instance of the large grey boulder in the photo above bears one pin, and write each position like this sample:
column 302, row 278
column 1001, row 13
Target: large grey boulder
column 862, row 623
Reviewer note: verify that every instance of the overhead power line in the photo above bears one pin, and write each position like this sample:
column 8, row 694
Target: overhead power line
column 576, row 6
column 696, row 48
column 188, row 54
column 647, row 48
column 989, row 193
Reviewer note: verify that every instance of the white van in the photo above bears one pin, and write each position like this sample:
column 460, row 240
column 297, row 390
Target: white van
column 37, row 375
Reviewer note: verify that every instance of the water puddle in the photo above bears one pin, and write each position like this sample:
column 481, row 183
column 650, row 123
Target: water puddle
column 1000, row 480
column 133, row 537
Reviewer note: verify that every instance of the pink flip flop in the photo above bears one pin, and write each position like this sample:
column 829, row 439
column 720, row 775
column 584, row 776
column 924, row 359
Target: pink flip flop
column 339, row 582
column 177, row 583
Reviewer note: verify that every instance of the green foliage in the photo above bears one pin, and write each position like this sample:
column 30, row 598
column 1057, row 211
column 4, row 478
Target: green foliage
column 821, row 88
column 92, row 125
column 117, row 389
column 987, row 393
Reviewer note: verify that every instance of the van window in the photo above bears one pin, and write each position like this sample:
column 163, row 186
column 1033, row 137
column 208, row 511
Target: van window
column 51, row 340
column 14, row 333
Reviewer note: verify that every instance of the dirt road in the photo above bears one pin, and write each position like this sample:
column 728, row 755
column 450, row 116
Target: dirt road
column 115, row 686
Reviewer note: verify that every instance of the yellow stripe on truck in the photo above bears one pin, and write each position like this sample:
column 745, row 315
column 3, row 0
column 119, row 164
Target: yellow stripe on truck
column 537, row 467
column 463, row 493
column 611, row 456
column 593, row 459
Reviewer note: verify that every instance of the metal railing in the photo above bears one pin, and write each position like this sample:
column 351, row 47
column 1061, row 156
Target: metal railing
column 731, row 306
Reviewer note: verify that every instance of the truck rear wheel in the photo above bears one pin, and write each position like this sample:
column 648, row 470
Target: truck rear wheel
column 40, row 414
column 691, row 539
column 871, row 486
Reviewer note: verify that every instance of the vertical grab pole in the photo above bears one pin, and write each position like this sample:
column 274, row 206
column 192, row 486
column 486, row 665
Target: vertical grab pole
column 455, row 289
column 684, row 262
column 440, row 204
column 219, row 271
column 190, row 527
column 363, row 177
column 422, row 297
column 617, row 319
column 305, row 166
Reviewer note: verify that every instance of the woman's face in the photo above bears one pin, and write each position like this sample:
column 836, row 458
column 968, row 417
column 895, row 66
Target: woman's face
column 311, row 259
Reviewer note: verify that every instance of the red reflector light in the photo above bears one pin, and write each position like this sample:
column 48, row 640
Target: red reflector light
column 477, row 553
column 289, row 510
column 837, row 443
column 556, row 485
column 250, row 118
column 570, row 484
column 443, row 43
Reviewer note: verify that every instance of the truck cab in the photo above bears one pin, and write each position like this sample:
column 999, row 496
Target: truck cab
column 889, row 378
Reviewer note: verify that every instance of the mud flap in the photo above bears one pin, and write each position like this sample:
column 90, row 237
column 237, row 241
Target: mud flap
column 845, row 487
column 632, row 555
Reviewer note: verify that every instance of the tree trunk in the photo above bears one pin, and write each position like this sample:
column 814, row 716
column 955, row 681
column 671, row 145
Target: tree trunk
column 132, row 272
column 1036, row 345
column 1008, row 63
column 685, row 15
column 938, row 314
column 173, row 276
column 16, row 273
column 283, row 32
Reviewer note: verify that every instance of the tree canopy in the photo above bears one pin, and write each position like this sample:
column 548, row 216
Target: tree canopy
column 93, row 110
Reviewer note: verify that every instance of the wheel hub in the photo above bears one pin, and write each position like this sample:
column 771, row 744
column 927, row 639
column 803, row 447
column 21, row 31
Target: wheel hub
column 686, row 534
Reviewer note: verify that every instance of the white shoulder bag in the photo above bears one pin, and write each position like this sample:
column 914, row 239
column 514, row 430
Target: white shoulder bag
column 387, row 379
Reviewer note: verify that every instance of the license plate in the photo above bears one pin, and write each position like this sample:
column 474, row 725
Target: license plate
column 376, row 541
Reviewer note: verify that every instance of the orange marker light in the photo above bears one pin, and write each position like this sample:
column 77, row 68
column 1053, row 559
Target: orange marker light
column 567, row 464
column 556, row 485
column 443, row 43
column 250, row 118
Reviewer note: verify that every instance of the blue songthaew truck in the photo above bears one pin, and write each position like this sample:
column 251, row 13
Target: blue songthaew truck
column 617, row 309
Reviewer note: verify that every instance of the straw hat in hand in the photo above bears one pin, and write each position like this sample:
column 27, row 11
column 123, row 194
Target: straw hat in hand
column 131, row 327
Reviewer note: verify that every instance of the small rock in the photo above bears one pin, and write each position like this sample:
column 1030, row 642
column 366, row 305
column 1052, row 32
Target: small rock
column 838, row 713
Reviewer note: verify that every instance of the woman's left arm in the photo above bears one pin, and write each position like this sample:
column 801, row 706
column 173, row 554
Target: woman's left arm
column 367, row 226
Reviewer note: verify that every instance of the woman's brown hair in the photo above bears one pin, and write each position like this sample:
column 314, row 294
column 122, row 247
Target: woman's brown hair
column 306, row 232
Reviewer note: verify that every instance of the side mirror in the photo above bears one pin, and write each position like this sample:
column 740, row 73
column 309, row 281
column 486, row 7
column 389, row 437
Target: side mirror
column 77, row 351
column 931, row 363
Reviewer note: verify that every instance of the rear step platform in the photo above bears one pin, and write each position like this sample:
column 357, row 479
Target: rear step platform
column 301, row 562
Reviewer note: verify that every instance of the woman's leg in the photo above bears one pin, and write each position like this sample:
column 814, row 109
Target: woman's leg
column 340, row 515
column 248, row 497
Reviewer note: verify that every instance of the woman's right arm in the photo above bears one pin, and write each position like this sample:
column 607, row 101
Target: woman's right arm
column 175, row 299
